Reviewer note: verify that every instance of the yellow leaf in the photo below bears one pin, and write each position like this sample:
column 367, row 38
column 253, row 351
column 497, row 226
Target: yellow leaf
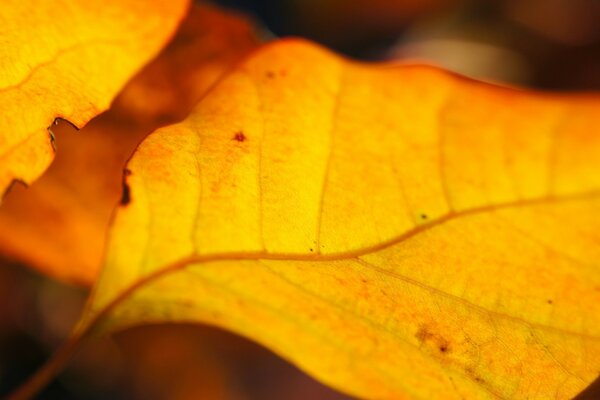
column 398, row 232
column 68, row 59
column 58, row 225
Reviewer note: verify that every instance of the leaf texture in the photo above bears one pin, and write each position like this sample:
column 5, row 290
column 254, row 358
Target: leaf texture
column 398, row 232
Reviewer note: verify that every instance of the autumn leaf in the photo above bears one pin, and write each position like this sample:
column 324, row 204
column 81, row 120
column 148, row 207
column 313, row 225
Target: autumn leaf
column 68, row 59
column 398, row 232
column 58, row 225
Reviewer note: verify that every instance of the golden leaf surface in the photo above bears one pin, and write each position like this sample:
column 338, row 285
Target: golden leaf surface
column 68, row 59
column 58, row 225
column 398, row 232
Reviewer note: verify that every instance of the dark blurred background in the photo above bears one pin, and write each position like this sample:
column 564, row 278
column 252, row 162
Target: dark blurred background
column 545, row 44
column 180, row 362
column 549, row 44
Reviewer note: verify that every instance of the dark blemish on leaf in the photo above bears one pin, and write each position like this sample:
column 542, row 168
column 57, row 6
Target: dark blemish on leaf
column 474, row 375
column 423, row 216
column 239, row 136
column 443, row 345
column 311, row 249
column 549, row 301
column 425, row 335
column 126, row 192
column 270, row 74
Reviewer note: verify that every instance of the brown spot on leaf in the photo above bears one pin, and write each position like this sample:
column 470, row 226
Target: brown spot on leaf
column 423, row 334
column 471, row 372
column 427, row 336
column 239, row 136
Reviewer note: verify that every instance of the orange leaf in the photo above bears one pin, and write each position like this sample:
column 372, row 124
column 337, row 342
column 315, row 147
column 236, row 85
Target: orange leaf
column 58, row 225
column 68, row 59
column 396, row 232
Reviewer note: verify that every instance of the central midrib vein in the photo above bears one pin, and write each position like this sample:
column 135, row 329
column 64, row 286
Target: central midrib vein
column 354, row 254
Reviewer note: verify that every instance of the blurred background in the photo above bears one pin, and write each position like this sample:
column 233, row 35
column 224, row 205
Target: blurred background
column 549, row 44
column 544, row 44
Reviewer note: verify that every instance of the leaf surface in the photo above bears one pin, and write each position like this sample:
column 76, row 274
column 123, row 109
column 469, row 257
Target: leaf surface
column 398, row 232
column 58, row 225
column 68, row 59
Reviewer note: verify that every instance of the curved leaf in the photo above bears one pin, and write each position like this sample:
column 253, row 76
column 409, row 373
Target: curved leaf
column 397, row 232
